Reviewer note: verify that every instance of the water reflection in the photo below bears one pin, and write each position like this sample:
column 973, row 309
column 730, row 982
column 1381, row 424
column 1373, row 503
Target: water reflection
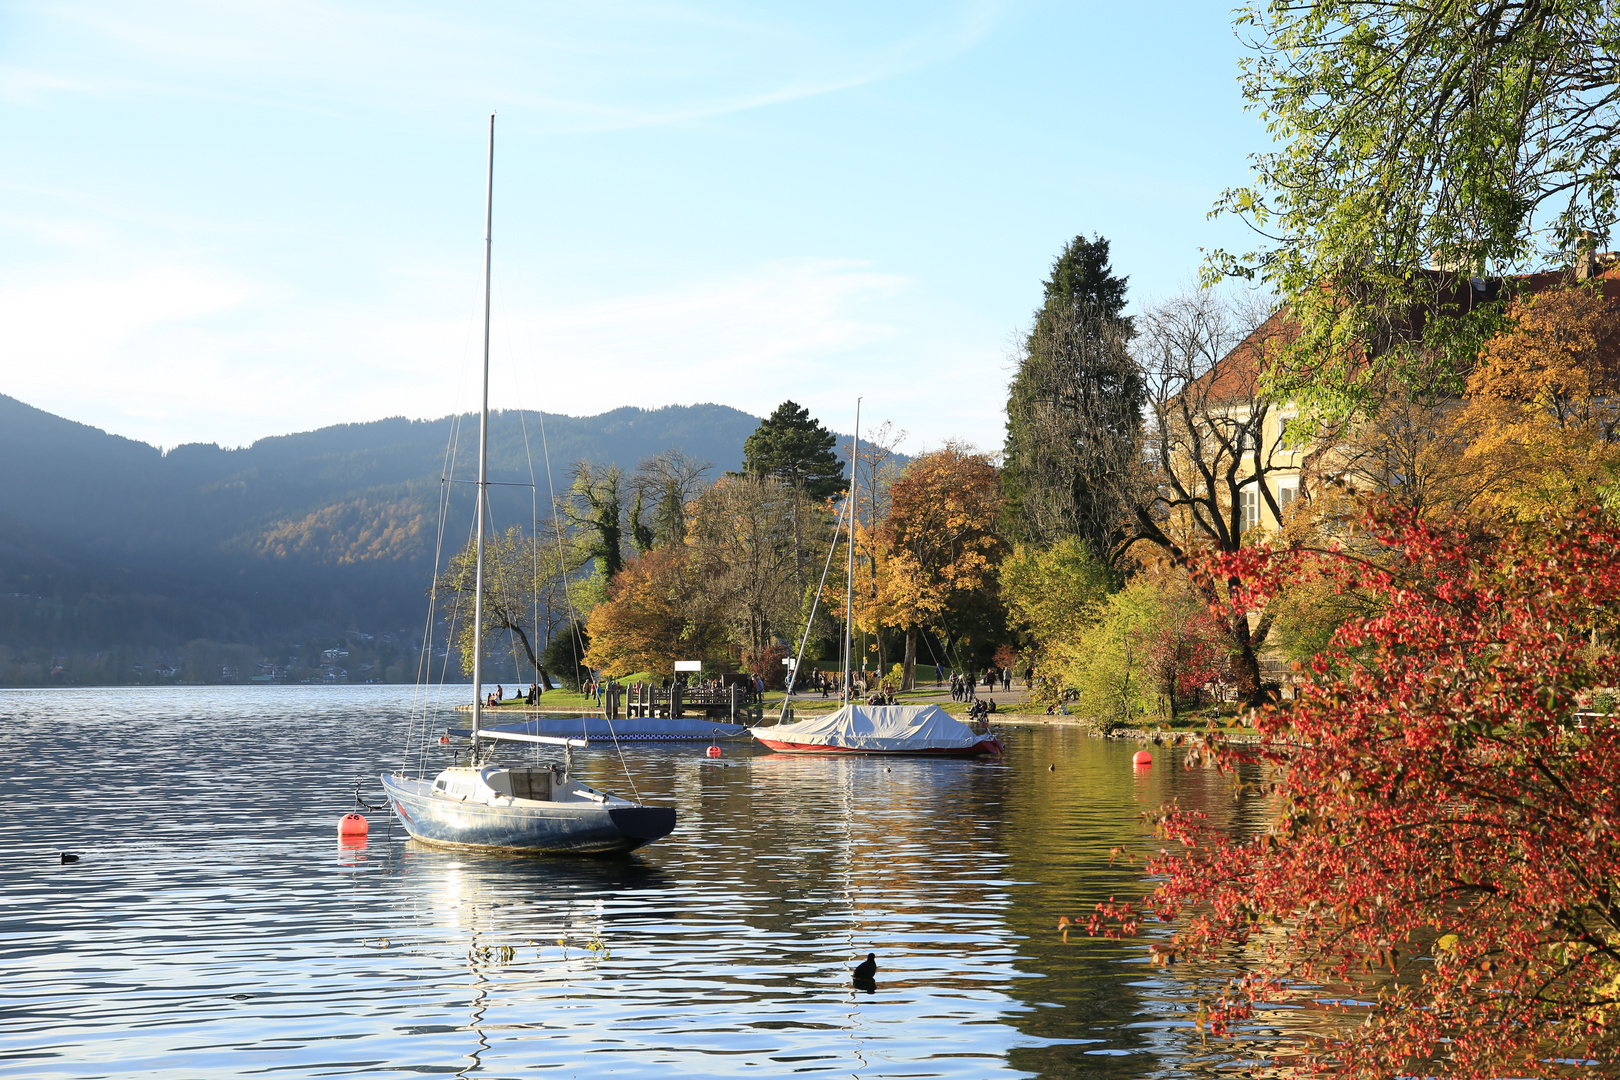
column 217, row 926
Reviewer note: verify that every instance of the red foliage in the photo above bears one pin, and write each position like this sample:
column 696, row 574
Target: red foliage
column 1439, row 810
column 1188, row 651
column 768, row 665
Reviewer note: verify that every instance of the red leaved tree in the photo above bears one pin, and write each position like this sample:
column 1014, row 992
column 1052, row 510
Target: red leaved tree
column 1441, row 813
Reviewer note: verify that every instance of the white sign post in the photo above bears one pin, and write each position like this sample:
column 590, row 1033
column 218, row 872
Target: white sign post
column 688, row 665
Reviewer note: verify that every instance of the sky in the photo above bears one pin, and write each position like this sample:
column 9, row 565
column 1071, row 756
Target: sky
column 224, row 220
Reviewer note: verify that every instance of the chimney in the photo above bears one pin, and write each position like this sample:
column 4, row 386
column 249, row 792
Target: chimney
column 1585, row 255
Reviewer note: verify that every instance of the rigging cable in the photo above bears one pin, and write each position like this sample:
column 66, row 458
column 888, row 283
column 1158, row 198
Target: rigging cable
column 793, row 676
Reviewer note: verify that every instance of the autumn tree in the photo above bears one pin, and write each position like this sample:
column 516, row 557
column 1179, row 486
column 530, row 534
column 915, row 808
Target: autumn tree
column 742, row 547
column 1533, row 431
column 1144, row 650
column 939, row 541
column 656, row 612
column 1073, row 407
column 1437, row 809
column 876, row 465
column 1541, row 404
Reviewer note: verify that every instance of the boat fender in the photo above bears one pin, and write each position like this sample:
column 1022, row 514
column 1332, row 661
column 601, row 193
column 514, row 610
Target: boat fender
column 714, row 751
column 353, row 825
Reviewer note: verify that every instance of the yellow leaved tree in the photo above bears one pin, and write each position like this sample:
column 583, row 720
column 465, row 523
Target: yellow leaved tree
column 1540, row 407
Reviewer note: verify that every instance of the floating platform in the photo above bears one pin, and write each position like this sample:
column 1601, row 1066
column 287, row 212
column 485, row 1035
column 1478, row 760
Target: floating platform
column 625, row 729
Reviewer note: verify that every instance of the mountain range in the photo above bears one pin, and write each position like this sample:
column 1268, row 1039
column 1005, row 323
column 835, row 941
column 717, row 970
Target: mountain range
column 115, row 555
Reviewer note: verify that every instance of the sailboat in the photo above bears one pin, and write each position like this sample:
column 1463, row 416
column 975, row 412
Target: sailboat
column 920, row 730
column 485, row 805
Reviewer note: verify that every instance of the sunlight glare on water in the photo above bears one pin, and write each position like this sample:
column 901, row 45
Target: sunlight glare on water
column 215, row 926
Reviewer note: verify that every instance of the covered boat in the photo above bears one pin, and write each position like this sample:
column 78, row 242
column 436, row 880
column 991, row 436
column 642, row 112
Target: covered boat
column 882, row 729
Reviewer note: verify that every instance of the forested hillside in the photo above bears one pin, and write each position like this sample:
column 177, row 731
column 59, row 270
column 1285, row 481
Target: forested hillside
column 114, row 555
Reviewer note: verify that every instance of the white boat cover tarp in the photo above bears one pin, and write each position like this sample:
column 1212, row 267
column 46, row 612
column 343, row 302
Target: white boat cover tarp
column 878, row 728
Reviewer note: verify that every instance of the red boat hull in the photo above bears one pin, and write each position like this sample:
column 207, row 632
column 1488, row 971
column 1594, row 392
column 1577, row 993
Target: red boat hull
column 990, row 747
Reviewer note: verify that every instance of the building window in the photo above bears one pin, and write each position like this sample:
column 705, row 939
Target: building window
column 1249, row 505
column 1286, row 494
column 1282, row 431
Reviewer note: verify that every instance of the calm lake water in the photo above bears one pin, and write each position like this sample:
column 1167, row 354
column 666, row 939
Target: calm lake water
column 215, row 927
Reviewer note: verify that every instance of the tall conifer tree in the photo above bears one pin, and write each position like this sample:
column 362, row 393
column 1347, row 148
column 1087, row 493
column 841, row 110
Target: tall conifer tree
column 1074, row 407
column 792, row 446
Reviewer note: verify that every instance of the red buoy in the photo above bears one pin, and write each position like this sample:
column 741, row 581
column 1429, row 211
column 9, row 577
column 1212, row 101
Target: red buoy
column 714, row 751
column 1142, row 758
column 353, row 825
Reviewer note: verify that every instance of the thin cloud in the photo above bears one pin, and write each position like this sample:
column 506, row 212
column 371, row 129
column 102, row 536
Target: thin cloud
column 590, row 68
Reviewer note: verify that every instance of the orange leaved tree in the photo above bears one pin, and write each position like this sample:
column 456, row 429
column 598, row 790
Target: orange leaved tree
column 938, row 544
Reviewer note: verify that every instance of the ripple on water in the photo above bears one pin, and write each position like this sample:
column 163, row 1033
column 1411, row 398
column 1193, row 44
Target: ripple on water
column 216, row 927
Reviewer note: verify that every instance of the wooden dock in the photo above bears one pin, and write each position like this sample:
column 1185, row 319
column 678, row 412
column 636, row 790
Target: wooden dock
column 729, row 704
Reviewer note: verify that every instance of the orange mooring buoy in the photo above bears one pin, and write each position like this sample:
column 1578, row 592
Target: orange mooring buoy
column 1142, row 758
column 714, row 751
column 353, row 825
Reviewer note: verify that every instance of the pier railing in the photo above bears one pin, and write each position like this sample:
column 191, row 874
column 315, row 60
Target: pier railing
column 733, row 704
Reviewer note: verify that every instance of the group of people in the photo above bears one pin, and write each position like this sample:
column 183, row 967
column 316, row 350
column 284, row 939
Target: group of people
column 964, row 685
column 884, row 696
column 520, row 698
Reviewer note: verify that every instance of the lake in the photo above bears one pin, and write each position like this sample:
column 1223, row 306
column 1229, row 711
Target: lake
column 216, row 927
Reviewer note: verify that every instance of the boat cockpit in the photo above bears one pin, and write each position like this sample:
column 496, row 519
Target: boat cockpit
column 497, row 785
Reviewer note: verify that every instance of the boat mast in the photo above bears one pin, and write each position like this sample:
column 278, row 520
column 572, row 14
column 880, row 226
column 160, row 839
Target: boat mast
column 849, row 581
column 483, row 463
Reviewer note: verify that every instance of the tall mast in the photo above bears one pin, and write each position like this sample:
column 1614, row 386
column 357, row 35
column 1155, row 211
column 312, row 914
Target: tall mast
column 483, row 460
column 849, row 580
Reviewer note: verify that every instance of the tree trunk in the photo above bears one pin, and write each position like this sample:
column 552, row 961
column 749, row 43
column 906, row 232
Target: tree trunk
column 910, row 680
column 1245, row 664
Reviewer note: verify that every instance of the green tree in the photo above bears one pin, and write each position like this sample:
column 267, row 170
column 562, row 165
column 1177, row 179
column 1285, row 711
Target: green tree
column 564, row 657
column 1074, row 406
column 1473, row 137
column 1053, row 594
column 595, row 510
column 792, row 446
column 660, row 489
column 525, row 594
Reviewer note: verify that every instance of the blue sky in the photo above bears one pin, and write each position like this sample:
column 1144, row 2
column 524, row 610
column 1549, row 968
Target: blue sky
column 222, row 220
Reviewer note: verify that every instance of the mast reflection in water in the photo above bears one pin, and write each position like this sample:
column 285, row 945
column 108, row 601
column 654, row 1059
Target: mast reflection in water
column 216, row 927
